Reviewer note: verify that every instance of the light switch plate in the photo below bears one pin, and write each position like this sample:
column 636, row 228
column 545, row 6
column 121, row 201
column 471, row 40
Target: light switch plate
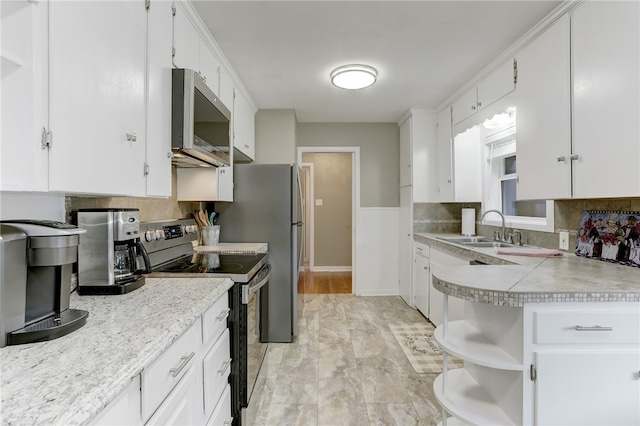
column 319, row 202
column 564, row 241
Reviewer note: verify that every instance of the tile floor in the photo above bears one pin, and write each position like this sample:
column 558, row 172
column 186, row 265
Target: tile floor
column 346, row 368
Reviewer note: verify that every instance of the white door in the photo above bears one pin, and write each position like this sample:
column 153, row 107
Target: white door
column 406, row 239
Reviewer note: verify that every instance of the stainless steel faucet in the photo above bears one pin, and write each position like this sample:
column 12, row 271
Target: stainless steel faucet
column 504, row 227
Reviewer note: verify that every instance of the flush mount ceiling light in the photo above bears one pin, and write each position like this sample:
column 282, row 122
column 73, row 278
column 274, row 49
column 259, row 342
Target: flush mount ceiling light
column 353, row 76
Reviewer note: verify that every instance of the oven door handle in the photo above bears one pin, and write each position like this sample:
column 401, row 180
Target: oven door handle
column 253, row 286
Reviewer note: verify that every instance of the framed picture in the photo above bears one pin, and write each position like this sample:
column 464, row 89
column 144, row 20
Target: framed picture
column 610, row 236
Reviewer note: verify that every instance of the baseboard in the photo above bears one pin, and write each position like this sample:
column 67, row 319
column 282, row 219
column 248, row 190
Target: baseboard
column 380, row 292
column 331, row 269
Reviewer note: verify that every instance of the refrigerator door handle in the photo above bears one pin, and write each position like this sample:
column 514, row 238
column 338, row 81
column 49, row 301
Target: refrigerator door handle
column 301, row 221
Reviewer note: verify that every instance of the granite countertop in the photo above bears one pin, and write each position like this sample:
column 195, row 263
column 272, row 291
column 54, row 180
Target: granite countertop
column 234, row 248
column 516, row 280
column 69, row 380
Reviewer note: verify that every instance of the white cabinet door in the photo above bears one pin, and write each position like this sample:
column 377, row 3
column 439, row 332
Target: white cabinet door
column 465, row 106
column 186, row 41
column 243, row 127
column 24, row 165
column 611, row 378
column 421, row 277
column 406, row 239
column 159, row 68
column 606, row 99
column 124, row 410
column 183, row 406
column 496, row 85
column 544, row 115
column 97, row 77
column 439, row 259
column 445, row 143
column 227, row 86
column 467, row 164
column 405, row 153
column 209, row 67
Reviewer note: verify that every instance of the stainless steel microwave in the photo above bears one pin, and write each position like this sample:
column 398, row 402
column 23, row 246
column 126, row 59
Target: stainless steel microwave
column 200, row 123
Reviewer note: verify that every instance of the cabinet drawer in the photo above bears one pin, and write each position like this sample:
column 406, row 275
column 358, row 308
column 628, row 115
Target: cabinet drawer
column 222, row 414
column 421, row 250
column 216, row 368
column 214, row 321
column 163, row 375
column 587, row 327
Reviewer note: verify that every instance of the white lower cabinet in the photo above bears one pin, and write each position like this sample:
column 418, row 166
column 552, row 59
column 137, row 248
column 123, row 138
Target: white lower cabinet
column 182, row 406
column 421, row 277
column 125, row 410
column 222, row 414
column 544, row 364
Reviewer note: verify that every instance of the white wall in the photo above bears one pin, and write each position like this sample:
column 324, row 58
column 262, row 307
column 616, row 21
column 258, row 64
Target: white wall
column 377, row 262
column 275, row 136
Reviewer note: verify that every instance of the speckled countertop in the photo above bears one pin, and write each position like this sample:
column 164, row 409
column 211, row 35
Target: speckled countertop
column 516, row 280
column 69, row 380
column 234, row 248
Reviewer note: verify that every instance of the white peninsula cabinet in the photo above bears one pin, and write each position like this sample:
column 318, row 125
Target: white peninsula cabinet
column 544, row 363
column 578, row 105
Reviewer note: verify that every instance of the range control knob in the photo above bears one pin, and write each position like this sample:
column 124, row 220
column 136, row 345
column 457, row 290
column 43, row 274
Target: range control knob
column 159, row 234
column 149, row 236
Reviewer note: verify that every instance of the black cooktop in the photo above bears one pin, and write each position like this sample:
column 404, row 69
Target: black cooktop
column 212, row 263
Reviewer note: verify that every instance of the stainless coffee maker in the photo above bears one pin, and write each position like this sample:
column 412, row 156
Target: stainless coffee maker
column 112, row 259
column 36, row 276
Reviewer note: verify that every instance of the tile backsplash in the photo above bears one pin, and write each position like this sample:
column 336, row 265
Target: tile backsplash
column 446, row 218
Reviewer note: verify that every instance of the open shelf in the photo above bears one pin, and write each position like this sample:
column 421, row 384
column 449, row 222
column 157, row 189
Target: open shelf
column 467, row 401
column 467, row 343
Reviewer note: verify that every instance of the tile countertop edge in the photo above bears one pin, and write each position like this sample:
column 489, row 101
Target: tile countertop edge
column 20, row 406
column 538, row 280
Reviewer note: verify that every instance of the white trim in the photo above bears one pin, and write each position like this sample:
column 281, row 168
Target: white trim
column 311, row 211
column 332, row 269
column 355, row 201
column 528, row 223
column 389, row 292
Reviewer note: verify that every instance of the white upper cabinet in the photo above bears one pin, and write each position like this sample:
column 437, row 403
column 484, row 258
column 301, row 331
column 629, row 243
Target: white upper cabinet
column 496, row 85
column 243, row 128
column 544, row 115
column 159, row 99
column 418, row 154
column 445, row 142
column 24, row 164
column 186, row 41
column 467, row 166
column 605, row 48
column 227, row 86
column 209, row 67
column 97, row 97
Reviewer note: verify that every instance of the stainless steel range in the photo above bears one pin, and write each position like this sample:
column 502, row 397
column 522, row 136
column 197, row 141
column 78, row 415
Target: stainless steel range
column 171, row 252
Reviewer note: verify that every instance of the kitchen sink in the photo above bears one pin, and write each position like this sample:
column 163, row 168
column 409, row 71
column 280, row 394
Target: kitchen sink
column 466, row 240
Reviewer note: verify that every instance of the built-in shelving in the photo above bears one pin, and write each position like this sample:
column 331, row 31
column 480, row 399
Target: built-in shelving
column 467, row 400
column 467, row 343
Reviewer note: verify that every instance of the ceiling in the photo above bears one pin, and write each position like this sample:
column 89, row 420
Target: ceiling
column 283, row 51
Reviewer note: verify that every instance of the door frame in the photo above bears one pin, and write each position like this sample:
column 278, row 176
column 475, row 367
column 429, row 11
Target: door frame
column 309, row 211
column 355, row 197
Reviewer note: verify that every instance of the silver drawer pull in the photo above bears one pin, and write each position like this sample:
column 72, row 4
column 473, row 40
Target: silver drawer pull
column 132, row 137
column 183, row 363
column 593, row 328
column 228, row 422
column 223, row 314
column 224, row 367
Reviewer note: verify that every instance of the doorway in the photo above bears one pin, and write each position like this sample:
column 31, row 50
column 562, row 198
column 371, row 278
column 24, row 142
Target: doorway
column 330, row 182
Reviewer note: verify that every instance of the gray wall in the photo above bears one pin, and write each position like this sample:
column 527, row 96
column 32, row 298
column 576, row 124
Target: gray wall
column 379, row 155
column 275, row 136
column 332, row 221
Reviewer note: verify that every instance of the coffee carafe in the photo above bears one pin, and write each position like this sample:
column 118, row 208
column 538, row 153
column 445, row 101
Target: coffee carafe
column 111, row 259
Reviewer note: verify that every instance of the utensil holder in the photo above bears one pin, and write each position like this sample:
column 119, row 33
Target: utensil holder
column 209, row 235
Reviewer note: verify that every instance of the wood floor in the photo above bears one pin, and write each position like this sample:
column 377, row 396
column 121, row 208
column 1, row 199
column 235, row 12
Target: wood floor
column 324, row 282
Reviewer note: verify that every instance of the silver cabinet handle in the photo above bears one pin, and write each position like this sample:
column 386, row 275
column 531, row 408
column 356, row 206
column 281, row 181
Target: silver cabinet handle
column 132, row 137
column 228, row 422
column 183, row 363
column 479, row 104
column 561, row 158
column 593, row 328
column 224, row 367
column 222, row 315
column 574, row 157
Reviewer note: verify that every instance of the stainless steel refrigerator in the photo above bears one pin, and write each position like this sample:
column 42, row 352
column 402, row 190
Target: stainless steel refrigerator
column 267, row 207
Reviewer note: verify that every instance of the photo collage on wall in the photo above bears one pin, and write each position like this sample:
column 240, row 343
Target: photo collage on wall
column 610, row 236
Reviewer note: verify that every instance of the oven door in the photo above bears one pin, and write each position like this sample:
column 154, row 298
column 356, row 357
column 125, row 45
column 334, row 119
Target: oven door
column 255, row 350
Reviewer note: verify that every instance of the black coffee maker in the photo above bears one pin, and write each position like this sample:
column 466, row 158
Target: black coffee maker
column 111, row 257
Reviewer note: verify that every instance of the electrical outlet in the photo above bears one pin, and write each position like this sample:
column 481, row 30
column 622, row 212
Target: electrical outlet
column 564, row 241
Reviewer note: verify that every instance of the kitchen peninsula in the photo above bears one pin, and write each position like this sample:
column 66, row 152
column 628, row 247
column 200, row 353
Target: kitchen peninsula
column 70, row 380
column 544, row 340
